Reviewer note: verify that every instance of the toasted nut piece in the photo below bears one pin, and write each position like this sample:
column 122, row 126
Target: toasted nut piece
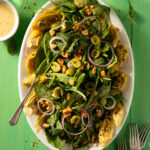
column 61, row 61
column 77, row 26
column 64, row 27
column 64, row 68
column 67, row 111
column 85, row 115
column 92, row 6
column 81, row 68
column 48, row 108
column 68, row 96
column 86, row 6
column 85, row 32
column 103, row 73
column 94, row 102
column 65, row 54
column 81, row 50
column 78, row 56
column 89, row 11
column 52, row 32
column 44, row 105
column 94, row 70
column 93, row 138
column 45, row 125
column 83, row 143
column 95, row 93
column 71, row 82
column 75, row 126
column 98, row 113
column 53, row 46
column 87, row 93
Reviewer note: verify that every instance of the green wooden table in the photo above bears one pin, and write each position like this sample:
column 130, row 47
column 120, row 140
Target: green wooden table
column 21, row 136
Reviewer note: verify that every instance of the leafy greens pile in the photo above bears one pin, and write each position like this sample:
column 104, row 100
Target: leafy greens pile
column 79, row 56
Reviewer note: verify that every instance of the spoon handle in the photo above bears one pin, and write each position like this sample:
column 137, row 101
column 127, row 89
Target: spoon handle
column 14, row 119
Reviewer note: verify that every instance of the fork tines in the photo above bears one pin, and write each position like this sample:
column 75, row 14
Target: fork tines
column 122, row 145
column 134, row 136
column 144, row 133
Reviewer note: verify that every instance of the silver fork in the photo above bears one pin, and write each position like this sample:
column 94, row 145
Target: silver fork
column 134, row 137
column 143, row 134
column 122, row 145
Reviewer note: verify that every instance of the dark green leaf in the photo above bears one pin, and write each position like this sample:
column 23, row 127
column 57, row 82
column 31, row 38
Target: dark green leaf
column 43, row 91
column 56, row 141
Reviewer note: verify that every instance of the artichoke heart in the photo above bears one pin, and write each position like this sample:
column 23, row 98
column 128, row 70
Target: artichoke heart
column 119, row 80
column 30, row 61
column 114, row 35
column 45, row 21
column 30, row 105
column 34, row 39
column 39, row 121
column 118, row 115
column 27, row 81
column 121, row 52
column 106, row 132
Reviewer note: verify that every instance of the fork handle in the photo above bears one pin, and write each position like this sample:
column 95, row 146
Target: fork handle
column 14, row 119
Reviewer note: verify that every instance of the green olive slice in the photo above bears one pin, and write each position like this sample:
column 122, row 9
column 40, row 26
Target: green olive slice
column 70, row 72
column 75, row 63
column 75, row 120
column 86, row 65
column 56, row 67
column 95, row 53
column 95, row 40
column 58, row 92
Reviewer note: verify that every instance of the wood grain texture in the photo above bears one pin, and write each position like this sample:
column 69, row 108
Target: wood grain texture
column 21, row 136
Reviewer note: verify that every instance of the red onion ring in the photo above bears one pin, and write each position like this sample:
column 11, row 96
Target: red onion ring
column 97, row 65
column 49, row 112
column 25, row 51
column 114, row 103
column 55, row 38
column 71, row 133
column 92, row 17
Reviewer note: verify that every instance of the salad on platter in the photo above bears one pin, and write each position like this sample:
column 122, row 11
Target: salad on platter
column 75, row 56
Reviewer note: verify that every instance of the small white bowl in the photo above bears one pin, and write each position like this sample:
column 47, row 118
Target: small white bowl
column 9, row 35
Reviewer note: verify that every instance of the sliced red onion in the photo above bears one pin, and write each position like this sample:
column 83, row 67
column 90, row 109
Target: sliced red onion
column 86, row 125
column 49, row 112
column 97, row 65
column 25, row 51
column 59, row 25
column 53, row 39
column 90, row 18
column 112, row 106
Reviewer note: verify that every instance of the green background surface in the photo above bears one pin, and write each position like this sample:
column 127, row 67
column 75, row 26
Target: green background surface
column 21, row 136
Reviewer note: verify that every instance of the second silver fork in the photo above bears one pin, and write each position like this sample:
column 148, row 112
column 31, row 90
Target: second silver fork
column 134, row 137
column 143, row 134
column 122, row 145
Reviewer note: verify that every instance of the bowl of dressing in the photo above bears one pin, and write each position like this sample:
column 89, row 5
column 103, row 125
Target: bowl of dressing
column 9, row 20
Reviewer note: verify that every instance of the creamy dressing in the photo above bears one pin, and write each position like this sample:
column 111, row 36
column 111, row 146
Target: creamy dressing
column 7, row 19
